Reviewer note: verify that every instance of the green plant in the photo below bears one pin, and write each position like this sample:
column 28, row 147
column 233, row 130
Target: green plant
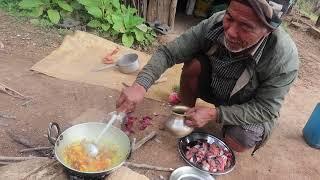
column 53, row 9
column 118, row 20
column 10, row 5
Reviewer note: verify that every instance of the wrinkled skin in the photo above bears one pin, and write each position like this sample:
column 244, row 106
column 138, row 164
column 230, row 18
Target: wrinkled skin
column 242, row 27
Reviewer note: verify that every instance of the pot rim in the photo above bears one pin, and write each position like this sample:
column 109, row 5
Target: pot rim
column 131, row 63
column 94, row 172
column 179, row 108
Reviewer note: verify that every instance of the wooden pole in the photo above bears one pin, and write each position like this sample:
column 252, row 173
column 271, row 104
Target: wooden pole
column 152, row 10
column 173, row 9
column 145, row 9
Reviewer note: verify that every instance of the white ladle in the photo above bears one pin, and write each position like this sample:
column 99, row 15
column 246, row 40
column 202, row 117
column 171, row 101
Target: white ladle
column 92, row 148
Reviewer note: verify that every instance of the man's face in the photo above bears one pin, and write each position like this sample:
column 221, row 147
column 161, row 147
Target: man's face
column 242, row 27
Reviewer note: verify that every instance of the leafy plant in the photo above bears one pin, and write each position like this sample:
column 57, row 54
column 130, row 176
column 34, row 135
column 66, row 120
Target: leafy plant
column 118, row 20
column 109, row 17
column 53, row 9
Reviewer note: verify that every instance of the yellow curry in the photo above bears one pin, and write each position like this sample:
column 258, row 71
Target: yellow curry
column 76, row 157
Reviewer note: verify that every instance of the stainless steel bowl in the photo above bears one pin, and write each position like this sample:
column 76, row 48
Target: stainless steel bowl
column 193, row 138
column 189, row 173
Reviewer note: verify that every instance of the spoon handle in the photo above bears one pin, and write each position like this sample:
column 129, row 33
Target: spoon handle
column 113, row 118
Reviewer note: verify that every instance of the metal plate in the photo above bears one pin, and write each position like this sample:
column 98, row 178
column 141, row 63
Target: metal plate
column 189, row 173
column 192, row 140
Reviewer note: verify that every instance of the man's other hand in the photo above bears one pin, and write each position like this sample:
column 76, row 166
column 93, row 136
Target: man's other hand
column 200, row 116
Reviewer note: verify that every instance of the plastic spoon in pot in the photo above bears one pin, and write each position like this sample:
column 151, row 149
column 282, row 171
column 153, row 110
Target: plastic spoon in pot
column 92, row 148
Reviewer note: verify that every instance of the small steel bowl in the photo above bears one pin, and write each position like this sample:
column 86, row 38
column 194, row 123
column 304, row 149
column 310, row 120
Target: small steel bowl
column 193, row 138
column 189, row 173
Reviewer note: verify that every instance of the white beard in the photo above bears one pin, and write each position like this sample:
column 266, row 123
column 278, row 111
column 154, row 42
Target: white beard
column 236, row 50
column 233, row 50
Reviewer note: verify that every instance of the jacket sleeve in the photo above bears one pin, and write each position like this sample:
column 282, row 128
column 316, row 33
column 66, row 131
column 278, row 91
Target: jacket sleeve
column 266, row 104
column 182, row 49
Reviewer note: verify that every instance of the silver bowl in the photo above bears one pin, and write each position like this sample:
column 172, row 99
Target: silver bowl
column 189, row 173
column 193, row 138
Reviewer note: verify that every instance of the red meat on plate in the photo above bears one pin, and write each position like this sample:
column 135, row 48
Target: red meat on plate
column 209, row 156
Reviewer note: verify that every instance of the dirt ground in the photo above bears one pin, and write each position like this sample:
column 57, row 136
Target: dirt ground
column 286, row 155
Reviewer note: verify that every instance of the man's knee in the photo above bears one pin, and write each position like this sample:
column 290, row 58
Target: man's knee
column 240, row 139
column 191, row 68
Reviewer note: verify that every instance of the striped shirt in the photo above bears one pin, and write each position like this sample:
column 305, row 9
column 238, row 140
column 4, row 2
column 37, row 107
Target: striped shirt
column 226, row 69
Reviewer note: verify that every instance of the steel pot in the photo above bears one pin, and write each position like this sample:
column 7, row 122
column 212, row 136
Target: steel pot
column 176, row 122
column 89, row 131
column 126, row 64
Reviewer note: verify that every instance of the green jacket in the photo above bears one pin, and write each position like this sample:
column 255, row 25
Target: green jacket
column 262, row 86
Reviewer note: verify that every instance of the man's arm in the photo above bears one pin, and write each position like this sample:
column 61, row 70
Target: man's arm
column 184, row 48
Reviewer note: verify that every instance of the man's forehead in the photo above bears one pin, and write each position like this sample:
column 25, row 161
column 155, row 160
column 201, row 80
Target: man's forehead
column 243, row 13
column 268, row 11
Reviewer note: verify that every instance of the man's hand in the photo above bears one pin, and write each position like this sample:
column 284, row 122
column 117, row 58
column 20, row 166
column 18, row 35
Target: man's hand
column 200, row 116
column 130, row 97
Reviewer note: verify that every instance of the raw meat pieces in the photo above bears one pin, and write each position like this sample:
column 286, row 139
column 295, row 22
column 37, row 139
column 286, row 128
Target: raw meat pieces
column 145, row 122
column 209, row 156
column 128, row 125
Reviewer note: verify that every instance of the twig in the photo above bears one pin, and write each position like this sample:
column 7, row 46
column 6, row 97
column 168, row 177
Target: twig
column 133, row 143
column 20, row 140
column 23, row 141
column 36, row 149
column 5, row 163
column 144, row 140
column 11, row 92
column 146, row 166
column 7, row 158
column 6, row 116
column 26, row 103
column 4, row 124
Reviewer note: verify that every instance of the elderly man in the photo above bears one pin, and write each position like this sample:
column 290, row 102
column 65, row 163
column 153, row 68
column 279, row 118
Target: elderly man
column 239, row 60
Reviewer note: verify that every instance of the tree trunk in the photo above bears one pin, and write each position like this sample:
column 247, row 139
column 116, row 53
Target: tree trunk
column 318, row 22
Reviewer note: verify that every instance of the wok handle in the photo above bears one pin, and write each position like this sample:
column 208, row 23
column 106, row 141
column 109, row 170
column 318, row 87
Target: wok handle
column 53, row 126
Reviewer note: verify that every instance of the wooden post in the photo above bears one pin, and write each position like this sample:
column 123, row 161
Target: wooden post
column 173, row 8
column 145, row 8
column 152, row 10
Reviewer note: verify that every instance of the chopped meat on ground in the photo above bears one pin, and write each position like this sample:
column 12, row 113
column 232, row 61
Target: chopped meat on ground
column 145, row 122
